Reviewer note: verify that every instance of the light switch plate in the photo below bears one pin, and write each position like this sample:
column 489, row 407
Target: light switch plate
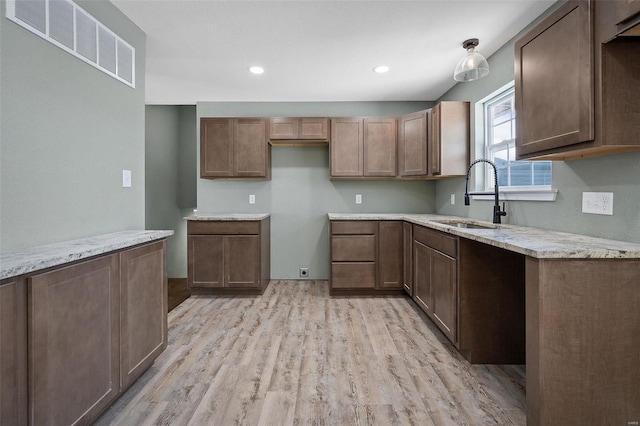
column 252, row 199
column 358, row 198
column 597, row 203
column 126, row 178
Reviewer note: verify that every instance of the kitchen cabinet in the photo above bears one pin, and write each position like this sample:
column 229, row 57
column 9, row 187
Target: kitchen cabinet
column 435, row 143
column 74, row 341
column 407, row 252
column 74, row 336
column 143, row 330
column 435, row 277
column 13, row 352
column 572, row 95
column 380, row 136
column 366, row 257
column 448, row 144
column 304, row 130
column 363, row 147
column 390, row 264
column 234, row 148
column 627, row 17
column 413, row 130
column 228, row 256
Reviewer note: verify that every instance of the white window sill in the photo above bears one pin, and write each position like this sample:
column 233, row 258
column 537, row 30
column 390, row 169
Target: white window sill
column 521, row 195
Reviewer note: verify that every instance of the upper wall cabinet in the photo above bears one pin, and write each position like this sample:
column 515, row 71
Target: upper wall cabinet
column 449, row 140
column 234, row 148
column 363, row 147
column 412, row 143
column 575, row 96
column 434, row 143
column 299, row 131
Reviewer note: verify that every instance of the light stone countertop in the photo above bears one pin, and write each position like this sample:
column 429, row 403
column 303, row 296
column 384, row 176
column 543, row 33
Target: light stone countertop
column 228, row 216
column 55, row 254
column 534, row 242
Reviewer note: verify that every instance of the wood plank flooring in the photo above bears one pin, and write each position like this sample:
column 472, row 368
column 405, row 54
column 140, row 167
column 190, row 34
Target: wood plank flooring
column 295, row 356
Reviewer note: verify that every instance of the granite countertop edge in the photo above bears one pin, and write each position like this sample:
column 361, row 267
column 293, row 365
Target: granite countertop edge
column 55, row 254
column 228, row 216
column 534, row 242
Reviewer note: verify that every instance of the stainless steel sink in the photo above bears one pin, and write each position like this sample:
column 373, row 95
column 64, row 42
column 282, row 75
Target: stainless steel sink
column 465, row 224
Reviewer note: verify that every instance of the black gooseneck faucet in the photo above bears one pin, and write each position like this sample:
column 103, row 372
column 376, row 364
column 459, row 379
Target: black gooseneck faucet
column 497, row 213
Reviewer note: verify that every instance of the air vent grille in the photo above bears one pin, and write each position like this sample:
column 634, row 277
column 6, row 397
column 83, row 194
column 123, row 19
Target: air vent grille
column 68, row 26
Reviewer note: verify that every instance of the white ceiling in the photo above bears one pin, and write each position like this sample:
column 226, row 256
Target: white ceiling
column 315, row 50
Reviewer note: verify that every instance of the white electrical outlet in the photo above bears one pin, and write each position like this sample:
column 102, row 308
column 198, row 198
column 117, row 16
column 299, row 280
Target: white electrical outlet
column 358, row 198
column 597, row 203
column 252, row 199
column 126, row 178
column 453, row 199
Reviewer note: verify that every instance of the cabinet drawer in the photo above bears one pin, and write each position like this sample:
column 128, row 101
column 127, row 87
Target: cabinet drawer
column 215, row 227
column 353, row 275
column 360, row 248
column 437, row 240
column 353, row 227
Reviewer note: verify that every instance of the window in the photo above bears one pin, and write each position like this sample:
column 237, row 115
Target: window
column 68, row 26
column 499, row 142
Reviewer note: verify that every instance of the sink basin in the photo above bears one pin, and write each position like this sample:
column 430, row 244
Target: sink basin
column 466, row 224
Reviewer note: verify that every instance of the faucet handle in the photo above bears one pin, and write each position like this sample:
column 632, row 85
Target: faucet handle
column 504, row 210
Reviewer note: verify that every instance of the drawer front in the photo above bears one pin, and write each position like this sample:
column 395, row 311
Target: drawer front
column 357, row 248
column 437, row 240
column 353, row 275
column 352, row 227
column 215, row 227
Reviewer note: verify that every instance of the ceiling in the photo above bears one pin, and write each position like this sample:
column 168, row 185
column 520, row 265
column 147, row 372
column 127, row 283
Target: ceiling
column 315, row 50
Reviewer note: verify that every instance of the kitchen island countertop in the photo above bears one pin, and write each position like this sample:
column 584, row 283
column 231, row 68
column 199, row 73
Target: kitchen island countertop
column 533, row 242
column 55, row 254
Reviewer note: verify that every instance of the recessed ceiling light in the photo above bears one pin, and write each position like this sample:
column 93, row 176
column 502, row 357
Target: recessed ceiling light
column 256, row 70
column 381, row 69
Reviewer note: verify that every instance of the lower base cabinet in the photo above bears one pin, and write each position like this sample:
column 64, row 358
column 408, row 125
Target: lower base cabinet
column 13, row 352
column 366, row 257
column 93, row 327
column 226, row 257
column 435, row 278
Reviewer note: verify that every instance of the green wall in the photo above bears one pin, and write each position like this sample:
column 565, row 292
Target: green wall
column 171, row 177
column 619, row 174
column 67, row 130
column 300, row 193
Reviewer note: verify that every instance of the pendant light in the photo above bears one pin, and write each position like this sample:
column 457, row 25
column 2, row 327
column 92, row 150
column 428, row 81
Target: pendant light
column 473, row 66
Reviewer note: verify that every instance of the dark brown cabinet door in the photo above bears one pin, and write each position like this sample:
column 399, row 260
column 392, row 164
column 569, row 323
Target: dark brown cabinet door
column 412, row 144
column 206, row 260
column 216, row 147
column 242, row 261
column 250, row 147
column 443, row 288
column 407, row 244
column 380, row 137
column 13, row 353
column 554, row 81
column 73, row 341
column 390, row 254
column 143, row 319
column 422, row 276
column 346, row 147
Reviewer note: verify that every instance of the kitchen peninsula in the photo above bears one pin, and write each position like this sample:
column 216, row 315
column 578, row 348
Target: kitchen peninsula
column 80, row 321
column 575, row 304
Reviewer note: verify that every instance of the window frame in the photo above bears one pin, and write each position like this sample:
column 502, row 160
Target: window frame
column 484, row 176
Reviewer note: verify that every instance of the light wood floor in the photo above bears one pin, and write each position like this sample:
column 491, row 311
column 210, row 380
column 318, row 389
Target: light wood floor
column 296, row 356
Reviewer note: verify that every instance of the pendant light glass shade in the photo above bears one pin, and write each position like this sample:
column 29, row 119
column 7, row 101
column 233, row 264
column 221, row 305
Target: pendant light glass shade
column 473, row 66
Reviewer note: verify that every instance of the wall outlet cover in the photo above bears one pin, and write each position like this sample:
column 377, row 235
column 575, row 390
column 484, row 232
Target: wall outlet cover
column 252, row 199
column 358, row 198
column 597, row 203
column 126, row 178
column 453, row 199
